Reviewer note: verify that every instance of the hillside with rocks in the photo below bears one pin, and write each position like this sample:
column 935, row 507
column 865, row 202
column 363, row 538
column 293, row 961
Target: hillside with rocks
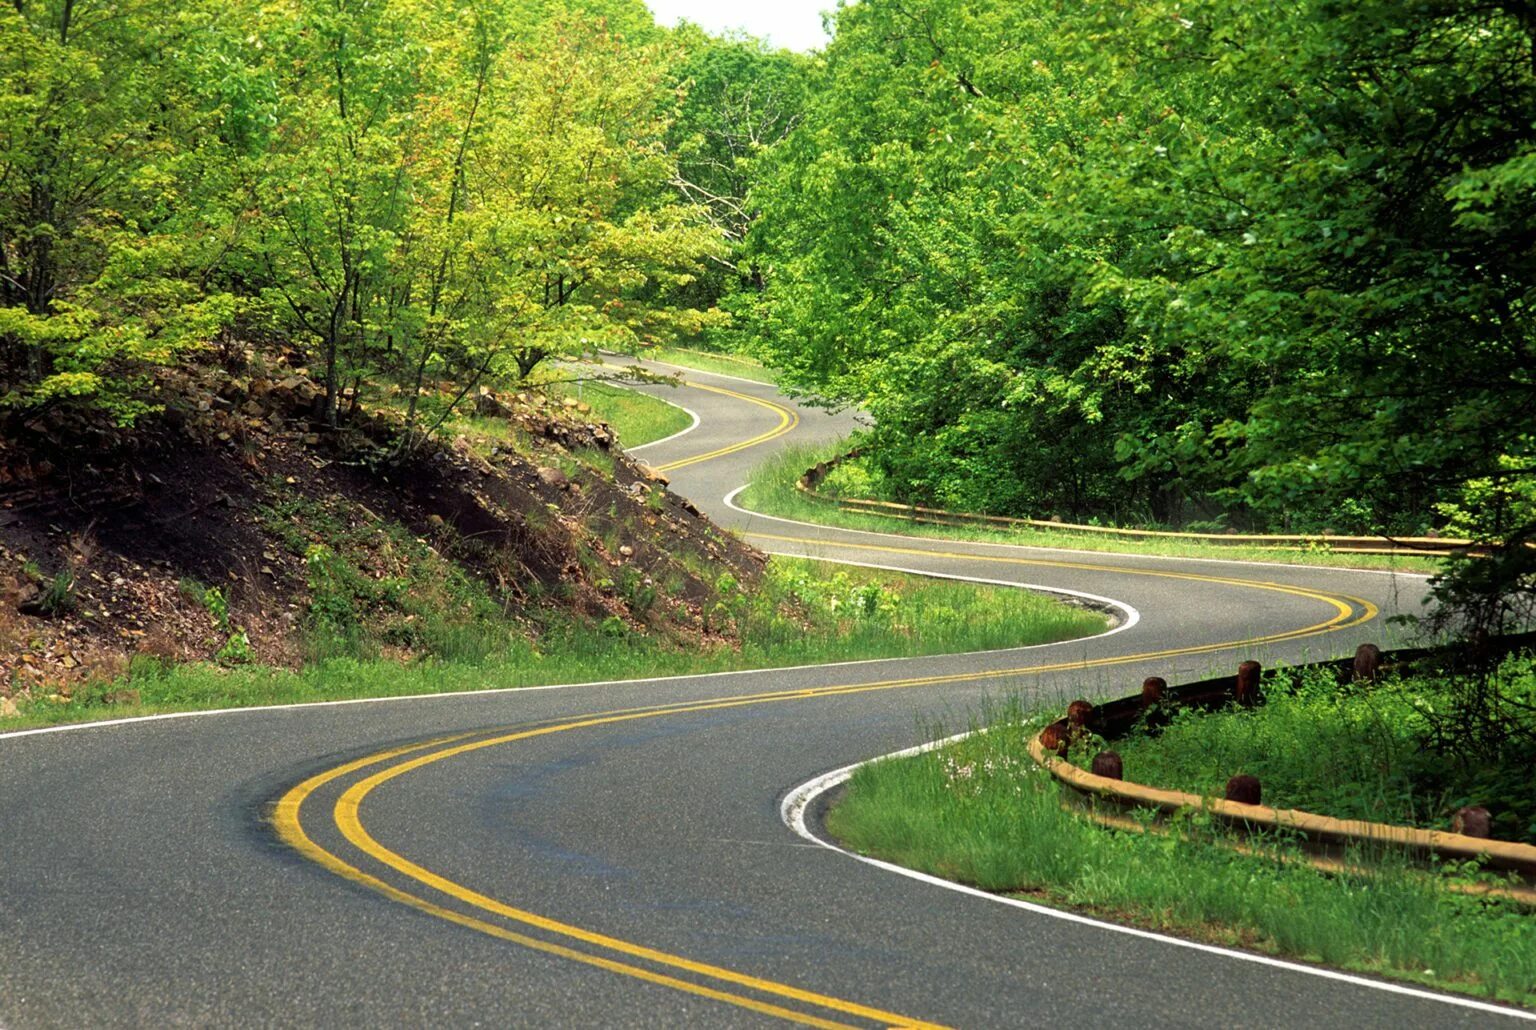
column 233, row 527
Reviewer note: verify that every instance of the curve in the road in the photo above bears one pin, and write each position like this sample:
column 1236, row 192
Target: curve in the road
column 346, row 813
column 638, row 835
column 788, row 420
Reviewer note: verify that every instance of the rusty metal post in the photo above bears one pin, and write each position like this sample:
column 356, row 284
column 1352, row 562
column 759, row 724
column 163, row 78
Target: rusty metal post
column 1079, row 713
column 1245, row 790
column 1054, row 738
column 1472, row 821
column 1367, row 662
column 1108, row 764
column 1246, row 690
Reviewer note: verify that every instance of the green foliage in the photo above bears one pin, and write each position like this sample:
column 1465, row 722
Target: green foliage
column 741, row 100
column 459, row 199
column 1358, row 752
column 638, row 418
column 1168, row 263
column 408, row 197
column 236, row 650
column 979, row 811
column 375, row 589
column 58, row 595
column 114, row 200
column 773, row 492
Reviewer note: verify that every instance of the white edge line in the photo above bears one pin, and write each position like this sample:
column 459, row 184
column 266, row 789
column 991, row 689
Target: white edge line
column 1130, row 615
column 1131, row 618
column 730, row 502
column 666, row 439
column 636, row 359
column 798, row 801
column 707, row 372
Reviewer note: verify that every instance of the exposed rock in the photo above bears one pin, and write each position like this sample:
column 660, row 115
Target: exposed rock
column 554, row 477
column 490, row 405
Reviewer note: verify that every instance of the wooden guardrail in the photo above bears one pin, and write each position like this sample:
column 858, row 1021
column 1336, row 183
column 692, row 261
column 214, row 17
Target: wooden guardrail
column 1328, row 843
column 1382, row 545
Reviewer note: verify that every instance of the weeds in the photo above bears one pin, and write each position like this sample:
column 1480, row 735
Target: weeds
column 773, row 493
column 1356, row 752
column 439, row 636
column 638, row 418
column 980, row 812
column 373, row 586
column 58, row 594
column 737, row 365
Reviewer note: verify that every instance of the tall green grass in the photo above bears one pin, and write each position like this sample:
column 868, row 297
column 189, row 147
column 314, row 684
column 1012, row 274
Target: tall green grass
column 638, row 418
column 773, row 493
column 737, row 365
column 800, row 614
column 978, row 811
column 1356, row 752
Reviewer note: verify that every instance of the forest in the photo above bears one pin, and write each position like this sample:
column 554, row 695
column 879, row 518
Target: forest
column 1183, row 264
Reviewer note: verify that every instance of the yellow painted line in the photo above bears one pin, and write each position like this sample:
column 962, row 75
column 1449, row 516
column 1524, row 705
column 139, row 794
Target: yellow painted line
column 1371, row 610
column 290, row 829
column 348, row 808
column 788, row 420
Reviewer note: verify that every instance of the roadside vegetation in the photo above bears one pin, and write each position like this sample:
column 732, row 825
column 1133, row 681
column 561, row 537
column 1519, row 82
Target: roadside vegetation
column 387, row 616
column 738, row 365
column 1083, row 261
column 773, row 492
column 638, row 418
column 1384, row 752
column 980, row 812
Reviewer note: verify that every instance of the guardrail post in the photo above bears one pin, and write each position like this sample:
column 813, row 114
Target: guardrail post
column 1367, row 662
column 1245, row 789
column 1079, row 712
column 1246, row 690
column 1472, row 821
column 1109, row 764
column 1054, row 738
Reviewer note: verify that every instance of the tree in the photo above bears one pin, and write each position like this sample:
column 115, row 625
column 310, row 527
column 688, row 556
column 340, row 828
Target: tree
column 571, row 222
column 112, row 217
column 742, row 99
column 1181, row 258
column 331, row 187
column 912, row 272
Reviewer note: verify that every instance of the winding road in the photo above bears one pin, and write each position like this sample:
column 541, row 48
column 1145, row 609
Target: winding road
column 618, row 854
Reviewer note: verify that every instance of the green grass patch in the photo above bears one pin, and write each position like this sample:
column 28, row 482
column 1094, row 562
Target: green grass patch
column 359, row 614
column 637, row 417
column 979, row 811
column 773, row 493
column 1357, row 752
column 737, row 365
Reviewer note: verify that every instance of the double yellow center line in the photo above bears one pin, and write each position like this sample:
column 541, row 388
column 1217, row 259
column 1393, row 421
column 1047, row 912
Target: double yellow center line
column 436, row 895
column 788, row 420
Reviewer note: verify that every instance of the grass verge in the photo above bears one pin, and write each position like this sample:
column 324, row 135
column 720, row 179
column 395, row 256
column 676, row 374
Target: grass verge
column 1364, row 752
column 980, row 812
column 710, row 361
column 801, row 615
column 638, row 418
column 773, row 493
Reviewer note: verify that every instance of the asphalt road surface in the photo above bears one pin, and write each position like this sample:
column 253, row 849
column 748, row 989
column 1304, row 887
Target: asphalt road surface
column 615, row 854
